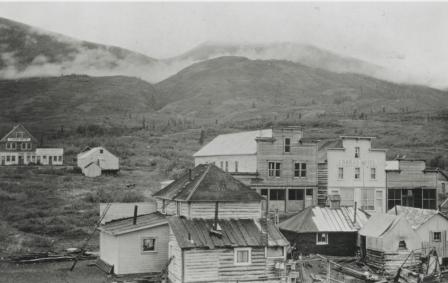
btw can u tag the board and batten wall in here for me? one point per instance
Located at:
(226, 210)
(132, 259)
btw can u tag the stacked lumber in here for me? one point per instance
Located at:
(389, 262)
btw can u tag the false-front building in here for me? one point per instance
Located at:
(356, 172)
(410, 184)
(277, 163)
(19, 147)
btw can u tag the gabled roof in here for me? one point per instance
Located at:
(415, 216)
(325, 219)
(196, 233)
(21, 128)
(208, 183)
(379, 224)
(125, 225)
(88, 151)
(241, 143)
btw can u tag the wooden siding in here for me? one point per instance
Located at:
(175, 267)
(108, 249)
(201, 265)
(170, 207)
(411, 175)
(133, 260)
(339, 244)
(226, 210)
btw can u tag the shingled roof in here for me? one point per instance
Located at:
(325, 219)
(208, 183)
(196, 233)
(415, 216)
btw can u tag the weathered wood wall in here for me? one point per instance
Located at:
(389, 262)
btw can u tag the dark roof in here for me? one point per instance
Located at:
(196, 233)
(208, 183)
(325, 219)
(125, 225)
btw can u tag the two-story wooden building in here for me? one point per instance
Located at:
(410, 184)
(278, 163)
(20, 147)
(356, 172)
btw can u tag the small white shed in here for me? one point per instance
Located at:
(95, 160)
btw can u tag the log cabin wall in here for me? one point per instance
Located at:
(225, 210)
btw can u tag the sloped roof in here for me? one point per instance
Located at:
(323, 145)
(196, 233)
(89, 151)
(234, 144)
(18, 127)
(125, 225)
(208, 183)
(325, 219)
(41, 150)
(379, 224)
(415, 216)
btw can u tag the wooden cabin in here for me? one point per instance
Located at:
(95, 161)
(430, 225)
(324, 230)
(202, 190)
(137, 244)
(225, 250)
(387, 240)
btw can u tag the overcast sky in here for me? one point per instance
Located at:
(411, 37)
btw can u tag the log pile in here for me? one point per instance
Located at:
(389, 262)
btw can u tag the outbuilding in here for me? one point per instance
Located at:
(324, 230)
(387, 241)
(91, 160)
(136, 244)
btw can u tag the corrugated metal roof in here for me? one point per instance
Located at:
(196, 233)
(325, 219)
(125, 225)
(208, 183)
(234, 144)
(415, 216)
(379, 224)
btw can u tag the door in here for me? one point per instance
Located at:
(50, 160)
(379, 201)
(20, 159)
(3, 160)
(363, 246)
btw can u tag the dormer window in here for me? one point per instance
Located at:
(287, 145)
(357, 152)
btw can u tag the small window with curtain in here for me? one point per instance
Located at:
(148, 244)
(436, 236)
(242, 256)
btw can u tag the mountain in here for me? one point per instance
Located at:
(75, 99)
(300, 53)
(233, 87)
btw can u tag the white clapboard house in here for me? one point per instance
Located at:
(97, 160)
(20, 147)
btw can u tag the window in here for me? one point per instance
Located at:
(274, 169)
(436, 236)
(322, 239)
(393, 198)
(221, 164)
(33, 158)
(275, 252)
(357, 152)
(8, 145)
(148, 245)
(55, 158)
(429, 198)
(295, 194)
(309, 192)
(23, 145)
(299, 170)
(242, 256)
(44, 157)
(340, 173)
(287, 145)
(28, 145)
(277, 195)
(8, 158)
(13, 145)
(367, 199)
(236, 166)
(19, 135)
(227, 166)
(13, 158)
(373, 173)
(402, 245)
(264, 192)
(59, 158)
(28, 158)
(357, 172)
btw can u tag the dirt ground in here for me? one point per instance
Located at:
(58, 272)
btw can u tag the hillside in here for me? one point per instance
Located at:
(74, 100)
(27, 51)
(236, 87)
(295, 52)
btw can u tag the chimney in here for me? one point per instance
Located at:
(135, 215)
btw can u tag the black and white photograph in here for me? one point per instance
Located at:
(223, 142)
